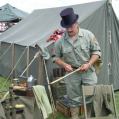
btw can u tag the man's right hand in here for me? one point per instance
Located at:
(68, 68)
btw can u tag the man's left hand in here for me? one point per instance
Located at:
(85, 67)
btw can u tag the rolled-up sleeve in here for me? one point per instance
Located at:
(57, 51)
(94, 45)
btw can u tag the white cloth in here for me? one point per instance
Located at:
(42, 100)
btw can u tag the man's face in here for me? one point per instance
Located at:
(72, 30)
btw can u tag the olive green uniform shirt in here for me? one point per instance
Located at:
(77, 53)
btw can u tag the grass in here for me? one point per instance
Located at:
(57, 115)
(5, 82)
(4, 86)
(60, 116)
(117, 102)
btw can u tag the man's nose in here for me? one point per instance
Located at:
(69, 29)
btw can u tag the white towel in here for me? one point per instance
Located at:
(42, 100)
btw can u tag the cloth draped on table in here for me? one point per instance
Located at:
(42, 100)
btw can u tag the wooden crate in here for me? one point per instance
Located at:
(63, 109)
(66, 111)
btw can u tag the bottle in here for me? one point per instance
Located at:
(30, 82)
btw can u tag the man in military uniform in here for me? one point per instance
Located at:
(77, 48)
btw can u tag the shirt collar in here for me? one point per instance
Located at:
(80, 34)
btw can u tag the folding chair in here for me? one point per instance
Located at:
(106, 91)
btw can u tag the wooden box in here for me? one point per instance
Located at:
(66, 110)
(63, 109)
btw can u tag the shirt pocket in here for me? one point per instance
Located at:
(85, 52)
(68, 54)
(85, 48)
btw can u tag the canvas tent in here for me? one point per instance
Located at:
(10, 15)
(98, 17)
(17, 44)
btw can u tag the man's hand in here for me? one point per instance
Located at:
(68, 68)
(85, 67)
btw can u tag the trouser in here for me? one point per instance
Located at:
(75, 81)
(74, 85)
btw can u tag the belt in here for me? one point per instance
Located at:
(74, 67)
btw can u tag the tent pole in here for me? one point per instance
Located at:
(13, 59)
(27, 72)
(49, 88)
(40, 72)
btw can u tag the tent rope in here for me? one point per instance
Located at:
(36, 55)
(14, 67)
(5, 52)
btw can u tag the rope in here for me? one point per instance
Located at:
(36, 55)
(5, 52)
(14, 68)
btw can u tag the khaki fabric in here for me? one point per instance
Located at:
(42, 100)
(102, 101)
